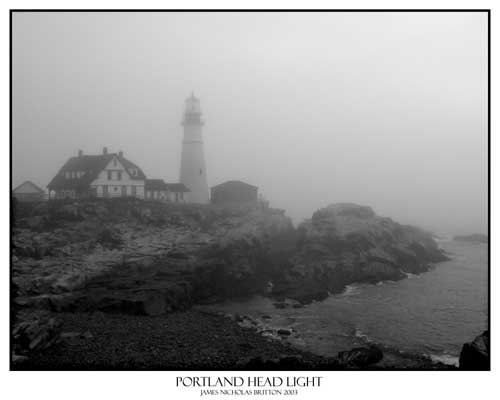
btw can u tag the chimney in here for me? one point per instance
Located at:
(105, 150)
(80, 153)
(120, 153)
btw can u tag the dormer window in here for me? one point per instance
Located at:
(67, 174)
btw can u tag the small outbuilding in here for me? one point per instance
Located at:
(234, 192)
(28, 191)
(157, 189)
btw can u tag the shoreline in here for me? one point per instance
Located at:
(393, 358)
(188, 340)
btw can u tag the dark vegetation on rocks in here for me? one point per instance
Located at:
(134, 258)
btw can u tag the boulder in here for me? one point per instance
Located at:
(476, 354)
(36, 334)
(360, 357)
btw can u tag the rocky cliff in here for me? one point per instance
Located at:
(132, 256)
(346, 243)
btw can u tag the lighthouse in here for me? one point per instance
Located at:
(193, 171)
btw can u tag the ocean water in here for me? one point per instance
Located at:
(431, 314)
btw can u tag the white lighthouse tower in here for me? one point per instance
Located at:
(193, 172)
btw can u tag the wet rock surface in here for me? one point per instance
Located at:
(360, 357)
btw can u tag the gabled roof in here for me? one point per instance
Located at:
(159, 184)
(91, 165)
(29, 187)
(234, 183)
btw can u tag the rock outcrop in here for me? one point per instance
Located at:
(347, 243)
(128, 255)
(476, 354)
(139, 257)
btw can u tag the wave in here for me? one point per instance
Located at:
(380, 283)
(358, 333)
(350, 290)
(445, 358)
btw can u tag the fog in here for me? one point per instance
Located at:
(382, 109)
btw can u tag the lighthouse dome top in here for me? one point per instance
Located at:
(192, 105)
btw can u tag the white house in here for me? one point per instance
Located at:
(104, 175)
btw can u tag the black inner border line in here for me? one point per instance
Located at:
(184, 10)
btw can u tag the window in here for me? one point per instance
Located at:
(67, 174)
(119, 173)
(110, 175)
(182, 196)
(201, 171)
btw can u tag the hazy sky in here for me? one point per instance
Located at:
(381, 109)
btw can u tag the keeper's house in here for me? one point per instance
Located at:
(103, 175)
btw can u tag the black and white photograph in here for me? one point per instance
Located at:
(233, 190)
